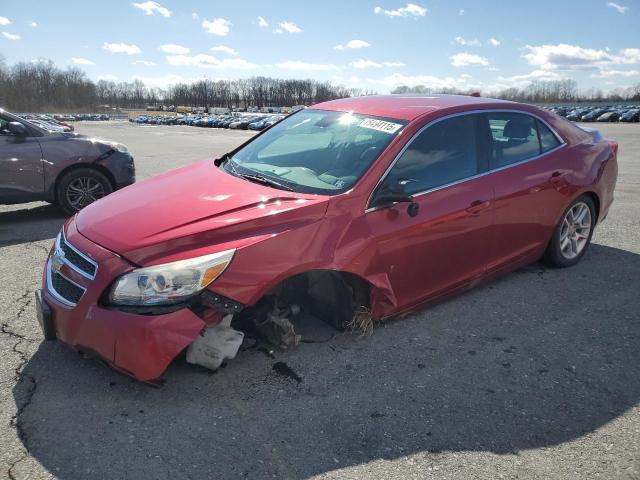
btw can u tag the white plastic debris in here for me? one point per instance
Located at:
(215, 344)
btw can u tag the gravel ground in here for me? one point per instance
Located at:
(536, 375)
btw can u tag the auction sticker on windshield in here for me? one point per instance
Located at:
(380, 125)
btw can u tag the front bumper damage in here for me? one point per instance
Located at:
(141, 344)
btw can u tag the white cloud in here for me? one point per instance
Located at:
(33, 24)
(195, 16)
(208, 61)
(468, 59)
(146, 63)
(617, 7)
(127, 48)
(217, 26)
(461, 12)
(355, 44)
(108, 77)
(4, 21)
(471, 43)
(429, 81)
(11, 36)
(288, 27)
(174, 49)
(262, 23)
(81, 61)
(616, 73)
(151, 8)
(563, 56)
(361, 63)
(629, 55)
(572, 57)
(494, 41)
(410, 10)
(225, 49)
(521, 81)
(298, 65)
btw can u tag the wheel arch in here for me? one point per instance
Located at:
(332, 295)
(596, 202)
(76, 166)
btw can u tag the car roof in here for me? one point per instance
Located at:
(405, 107)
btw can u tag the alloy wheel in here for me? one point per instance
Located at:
(84, 190)
(575, 231)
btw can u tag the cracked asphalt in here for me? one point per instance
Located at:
(535, 375)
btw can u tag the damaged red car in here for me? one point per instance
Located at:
(373, 204)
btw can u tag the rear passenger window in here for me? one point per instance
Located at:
(441, 154)
(515, 138)
(548, 141)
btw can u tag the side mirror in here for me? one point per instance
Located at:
(18, 129)
(395, 193)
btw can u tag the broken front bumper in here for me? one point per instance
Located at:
(139, 345)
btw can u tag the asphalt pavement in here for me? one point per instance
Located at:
(535, 375)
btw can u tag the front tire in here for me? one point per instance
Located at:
(80, 187)
(572, 235)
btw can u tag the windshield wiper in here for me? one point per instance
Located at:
(255, 178)
(264, 180)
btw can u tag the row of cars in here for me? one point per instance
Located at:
(614, 113)
(48, 122)
(240, 122)
(61, 122)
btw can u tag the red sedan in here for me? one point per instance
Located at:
(372, 204)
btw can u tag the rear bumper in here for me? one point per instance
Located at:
(139, 345)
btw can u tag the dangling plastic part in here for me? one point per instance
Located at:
(215, 344)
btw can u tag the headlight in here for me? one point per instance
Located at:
(170, 282)
(119, 147)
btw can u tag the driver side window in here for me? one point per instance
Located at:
(4, 127)
(443, 153)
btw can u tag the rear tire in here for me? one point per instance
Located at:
(81, 187)
(572, 235)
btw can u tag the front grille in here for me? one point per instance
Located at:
(77, 260)
(63, 289)
(66, 288)
(74, 258)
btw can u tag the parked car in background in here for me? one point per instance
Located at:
(632, 115)
(369, 205)
(70, 170)
(608, 117)
(593, 115)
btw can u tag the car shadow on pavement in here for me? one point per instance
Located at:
(532, 360)
(27, 225)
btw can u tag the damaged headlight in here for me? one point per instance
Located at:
(170, 282)
(120, 147)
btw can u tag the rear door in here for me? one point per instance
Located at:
(526, 175)
(21, 173)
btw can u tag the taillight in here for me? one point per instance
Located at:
(614, 146)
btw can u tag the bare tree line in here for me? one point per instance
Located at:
(41, 86)
(555, 91)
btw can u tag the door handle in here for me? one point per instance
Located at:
(556, 177)
(477, 206)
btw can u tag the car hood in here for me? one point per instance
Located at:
(193, 210)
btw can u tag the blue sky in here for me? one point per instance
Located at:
(371, 45)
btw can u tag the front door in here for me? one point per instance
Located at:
(446, 243)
